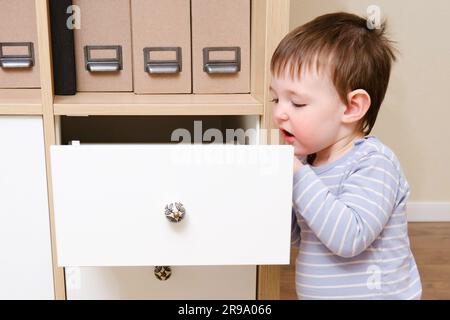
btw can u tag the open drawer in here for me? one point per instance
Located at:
(112, 202)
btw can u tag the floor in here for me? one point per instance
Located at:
(430, 243)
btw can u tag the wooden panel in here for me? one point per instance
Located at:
(43, 23)
(179, 104)
(20, 101)
(161, 23)
(18, 24)
(268, 282)
(277, 26)
(271, 20)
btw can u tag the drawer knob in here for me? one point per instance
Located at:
(163, 272)
(175, 212)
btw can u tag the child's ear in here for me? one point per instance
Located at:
(358, 102)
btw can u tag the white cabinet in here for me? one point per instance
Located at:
(25, 248)
(114, 117)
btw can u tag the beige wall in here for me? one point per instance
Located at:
(415, 117)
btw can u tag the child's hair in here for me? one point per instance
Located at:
(356, 57)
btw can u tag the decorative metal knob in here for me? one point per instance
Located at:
(163, 272)
(175, 212)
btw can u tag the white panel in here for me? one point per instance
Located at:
(211, 282)
(25, 249)
(428, 211)
(109, 204)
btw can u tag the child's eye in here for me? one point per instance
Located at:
(274, 100)
(298, 105)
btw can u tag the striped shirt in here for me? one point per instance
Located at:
(349, 222)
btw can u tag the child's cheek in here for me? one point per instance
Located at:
(303, 131)
(309, 137)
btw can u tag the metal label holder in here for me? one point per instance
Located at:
(104, 64)
(17, 61)
(222, 66)
(162, 66)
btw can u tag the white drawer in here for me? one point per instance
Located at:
(110, 204)
(210, 282)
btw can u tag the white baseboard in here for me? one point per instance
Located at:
(428, 211)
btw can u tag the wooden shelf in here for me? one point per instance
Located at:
(128, 103)
(20, 102)
(269, 24)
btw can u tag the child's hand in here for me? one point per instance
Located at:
(297, 164)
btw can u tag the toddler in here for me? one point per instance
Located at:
(329, 78)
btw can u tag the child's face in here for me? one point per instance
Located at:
(308, 111)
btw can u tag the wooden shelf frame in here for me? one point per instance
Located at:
(46, 76)
(269, 23)
(20, 102)
(128, 103)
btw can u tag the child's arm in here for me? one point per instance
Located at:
(295, 231)
(348, 223)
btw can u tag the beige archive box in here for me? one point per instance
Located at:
(221, 46)
(161, 46)
(103, 46)
(19, 63)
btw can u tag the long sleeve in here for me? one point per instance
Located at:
(295, 231)
(349, 222)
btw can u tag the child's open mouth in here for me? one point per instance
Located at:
(287, 136)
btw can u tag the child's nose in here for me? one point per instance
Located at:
(280, 114)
